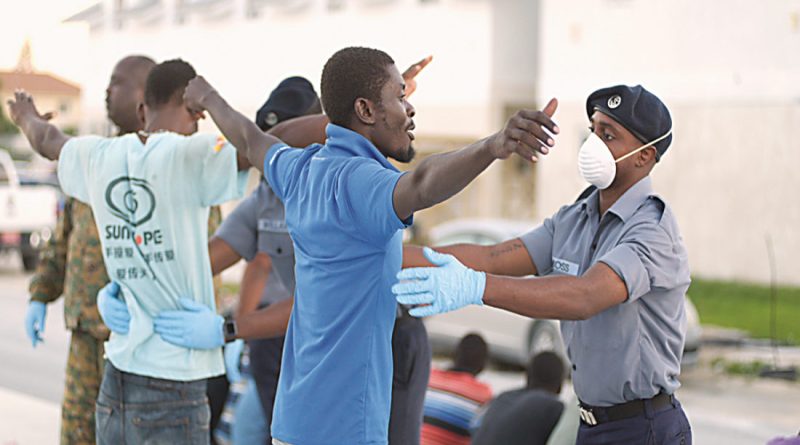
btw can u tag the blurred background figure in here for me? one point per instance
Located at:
(455, 396)
(528, 415)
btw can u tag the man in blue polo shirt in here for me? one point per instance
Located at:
(345, 206)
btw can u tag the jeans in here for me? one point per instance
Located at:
(133, 409)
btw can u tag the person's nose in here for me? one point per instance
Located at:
(410, 110)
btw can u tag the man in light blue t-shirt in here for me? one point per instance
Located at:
(345, 208)
(150, 194)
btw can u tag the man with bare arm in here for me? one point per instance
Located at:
(345, 208)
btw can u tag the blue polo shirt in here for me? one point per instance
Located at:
(336, 374)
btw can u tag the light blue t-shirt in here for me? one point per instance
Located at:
(336, 373)
(151, 203)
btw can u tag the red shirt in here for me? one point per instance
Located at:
(452, 400)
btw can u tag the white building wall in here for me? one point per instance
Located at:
(728, 70)
(246, 57)
(730, 73)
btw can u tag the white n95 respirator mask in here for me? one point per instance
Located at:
(596, 163)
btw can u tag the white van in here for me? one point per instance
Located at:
(28, 213)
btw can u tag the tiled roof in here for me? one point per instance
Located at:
(37, 83)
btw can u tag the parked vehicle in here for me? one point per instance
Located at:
(28, 212)
(512, 338)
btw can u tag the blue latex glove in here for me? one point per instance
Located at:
(194, 327)
(113, 310)
(233, 354)
(34, 321)
(444, 288)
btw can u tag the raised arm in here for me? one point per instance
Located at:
(44, 137)
(302, 131)
(240, 131)
(441, 176)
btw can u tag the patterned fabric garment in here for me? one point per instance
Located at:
(451, 403)
(84, 372)
(72, 264)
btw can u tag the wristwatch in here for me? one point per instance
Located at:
(229, 329)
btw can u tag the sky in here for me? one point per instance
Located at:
(40, 21)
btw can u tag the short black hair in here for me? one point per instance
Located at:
(471, 354)
(351, 73)
(546, 370)
(167, 81)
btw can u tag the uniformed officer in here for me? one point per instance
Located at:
(613, 267)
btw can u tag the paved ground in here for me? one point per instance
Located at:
(722, 410)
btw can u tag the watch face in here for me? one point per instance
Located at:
(230, 327)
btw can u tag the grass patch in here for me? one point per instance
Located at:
(747, 307)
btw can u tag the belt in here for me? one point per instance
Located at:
(593, 415)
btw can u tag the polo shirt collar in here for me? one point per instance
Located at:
(626, 205)
(349, 143)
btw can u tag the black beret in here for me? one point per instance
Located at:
(636, 109)
(293, 97)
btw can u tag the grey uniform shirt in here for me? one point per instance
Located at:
(258, 224)
(631, 350)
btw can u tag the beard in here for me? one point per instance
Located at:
(405, 156)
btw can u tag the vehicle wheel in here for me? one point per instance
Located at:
(546, 336)
(30, 255)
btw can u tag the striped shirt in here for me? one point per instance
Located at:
(451, 403)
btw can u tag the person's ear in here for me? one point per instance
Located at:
(365, 111)
(140, 113)
(646, 156)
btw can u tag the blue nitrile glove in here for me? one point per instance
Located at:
(233, 355)
(445, 288)
(34, 321)
(113, 310)
(194, 327)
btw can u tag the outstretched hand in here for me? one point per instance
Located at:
(446, 287)
(22, 107)
(409, 75)
(525, 135)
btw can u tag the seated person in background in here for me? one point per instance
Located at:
(526, 415)
(455, 396)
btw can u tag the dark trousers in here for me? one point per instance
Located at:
(217, 393)
(412, 367)
(667, 426)
(265, 366)
(134, 409)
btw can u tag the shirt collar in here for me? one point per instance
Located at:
(632, 199)
(627, 204)
(350, 143)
